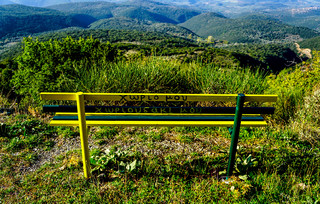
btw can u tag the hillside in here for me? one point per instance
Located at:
(98, 10)
(120, 23)
(226, 6)
(249, 29)
(142, 10)
(23, 20)
(274, 56)
(312, 43)
(115, 36)
(232, 8)
(177, 13)
(307, 17)
(144, 15)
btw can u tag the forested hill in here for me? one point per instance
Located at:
(312, 43)
(307, 17)
(142, 10)
(118, 36)
(121, 23)
(251, 29)
(23, 20)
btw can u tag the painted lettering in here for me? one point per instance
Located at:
(183, 110)
(163, 110)
(109, 110)
(123, 97)
(184, 98)
(145, 109)
(138, 110)
(134, 98)
(169, 98)
(98, 110)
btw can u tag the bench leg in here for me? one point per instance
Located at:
(235, 134)
(83, 135)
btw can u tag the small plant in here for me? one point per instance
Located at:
(29, 134)
(117, 160)
(105, 133)
(242, 166)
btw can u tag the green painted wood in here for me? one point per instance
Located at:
(160, 118)
(235, 134)
(146, 109)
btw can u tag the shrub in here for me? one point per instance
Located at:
(292, 85)
(307, 121)
(52, 65)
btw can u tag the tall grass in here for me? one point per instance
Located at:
(157, 75)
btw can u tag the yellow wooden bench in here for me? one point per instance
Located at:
(182, 115)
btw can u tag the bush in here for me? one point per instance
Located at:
(292, 85)
(308, 118)
(52, 65)
(7, 67)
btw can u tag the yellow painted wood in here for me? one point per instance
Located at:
(58, 96)
(159, 123)
(157, 97)
(260, 98)
(151, 114)
(83, 134)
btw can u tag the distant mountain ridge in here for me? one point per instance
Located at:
(142, 10)
(147, 15)
(224, 6)
(307, 16)
(123, 23)
(20, 20)
(24, 20)
(252, 29)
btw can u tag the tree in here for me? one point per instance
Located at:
(210, 39)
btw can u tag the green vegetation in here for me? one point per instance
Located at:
(121, 23)
(312, 43)
(132, 38)
(38, 163)
(23, 20)
(274, 56)
(306, 17)
(249, 29)
(141, 10)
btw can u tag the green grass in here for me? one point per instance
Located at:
(168, 165)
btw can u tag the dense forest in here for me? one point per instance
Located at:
(246, 29)
(146, 16)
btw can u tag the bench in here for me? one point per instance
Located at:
(175, 115)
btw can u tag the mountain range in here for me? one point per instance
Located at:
(146, 15)
(251, 28)
(226, 6)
